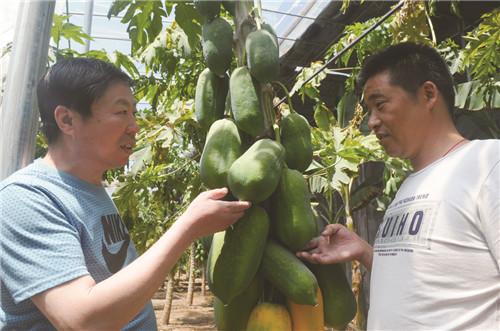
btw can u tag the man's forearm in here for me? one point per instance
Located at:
(125, 293)
(109, 305)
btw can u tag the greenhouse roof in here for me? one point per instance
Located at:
(289, 19)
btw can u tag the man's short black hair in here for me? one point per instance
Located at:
(409, 66)
(75, 83)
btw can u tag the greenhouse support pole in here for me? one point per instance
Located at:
(18, 113)
(87, 21)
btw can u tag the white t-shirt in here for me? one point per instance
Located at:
(437, 254)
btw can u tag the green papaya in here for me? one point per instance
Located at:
(293, 219)
(241, 254)
(289, 274)
(234, 316)
(217, 45)
(210, 98)
(270, 29)
(262, 56)
(208, 9)
(255, 174)
(245, 103)
(222, 148)
(295, 135)
(339, 303)
(213, 255)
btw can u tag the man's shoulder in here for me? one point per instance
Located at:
(32, 180)
(486, 144)
(485, 151)
(24, 176)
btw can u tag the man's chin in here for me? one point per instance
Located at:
(119, 164)
(391, 151)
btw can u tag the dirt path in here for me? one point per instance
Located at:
(198, 316)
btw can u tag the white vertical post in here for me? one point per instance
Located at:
(18, 111)
(87, 21)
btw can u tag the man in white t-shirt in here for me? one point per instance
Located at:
(435, 264)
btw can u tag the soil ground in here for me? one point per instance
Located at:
(199, 316)
(184, 317)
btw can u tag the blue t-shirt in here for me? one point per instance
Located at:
(55, 228)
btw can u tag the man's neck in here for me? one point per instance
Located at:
(67, 160)
(436, 145)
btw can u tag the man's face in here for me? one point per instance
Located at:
(107, 137)
(395, 116)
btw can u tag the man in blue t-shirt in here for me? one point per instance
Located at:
(67, 258)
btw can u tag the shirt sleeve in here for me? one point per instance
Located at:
(489, 211)
(40, 247)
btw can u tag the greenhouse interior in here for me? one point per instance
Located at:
(250, 165)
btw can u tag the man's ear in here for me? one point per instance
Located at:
(65, 119)
(430, 93)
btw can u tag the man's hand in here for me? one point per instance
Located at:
(208, 214)
(337, 244)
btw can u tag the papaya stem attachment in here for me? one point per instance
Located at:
(258, 16)
(287, 94)
(266, 102)
(277, 135)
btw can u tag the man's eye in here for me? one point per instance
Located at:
(380, 105)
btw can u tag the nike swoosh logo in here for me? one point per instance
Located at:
(115, 261)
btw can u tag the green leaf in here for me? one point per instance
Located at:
(140, 158)
(122, 60)
(339, 179)
(117, 7)
(317, 184)
(475, 95)
(187, 18)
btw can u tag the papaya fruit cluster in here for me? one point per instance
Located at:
(260, 158)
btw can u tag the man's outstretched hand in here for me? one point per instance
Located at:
(337, 244)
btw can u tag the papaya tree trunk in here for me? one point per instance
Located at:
(192, 266)
(203, 279)
(178, 274)
(359, 319)
(243, 26)
(357, 288)
(169, 295)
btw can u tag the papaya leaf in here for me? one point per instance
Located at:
(139, 159)
(317, 184)
(117, 7)
(187, 17)
(122, 60)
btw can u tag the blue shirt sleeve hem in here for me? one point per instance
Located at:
(48, 283)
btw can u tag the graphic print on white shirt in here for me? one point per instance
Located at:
(406, 226)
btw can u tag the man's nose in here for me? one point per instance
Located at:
(133, 127)
(373, 121)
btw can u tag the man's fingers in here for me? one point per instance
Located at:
(218, 193)
(315, 257)
(304, 256)
(331, 229)
(313, 243)
(235, 206)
